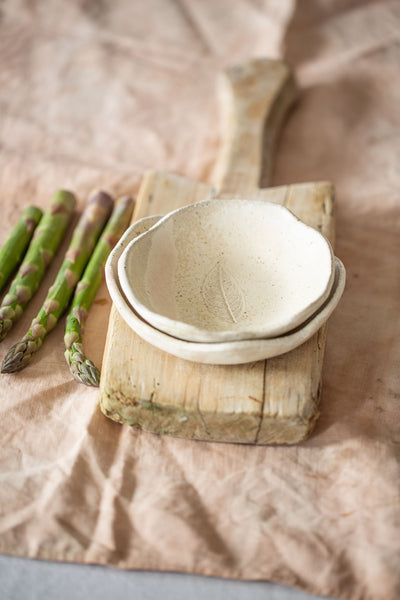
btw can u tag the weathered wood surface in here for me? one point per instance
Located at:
(266, 402)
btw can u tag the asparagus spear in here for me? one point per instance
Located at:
(41, 250)
(13, 249)
(83, 241)
(81, 367)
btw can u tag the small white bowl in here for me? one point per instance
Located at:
(227, 269)
(223, 353)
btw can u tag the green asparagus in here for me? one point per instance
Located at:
(81, 367)
(44, 244)
(13, 249)
(83, 241)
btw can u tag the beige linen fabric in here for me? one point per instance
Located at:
(93, 93)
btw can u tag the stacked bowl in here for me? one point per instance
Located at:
(225, 281)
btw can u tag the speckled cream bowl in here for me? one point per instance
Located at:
(223, 353)
(226, 270)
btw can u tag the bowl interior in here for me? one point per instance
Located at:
(227, 269)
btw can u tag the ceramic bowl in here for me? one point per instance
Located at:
(224, 270)
(224, 353)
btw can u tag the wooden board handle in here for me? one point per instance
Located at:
(254, 98)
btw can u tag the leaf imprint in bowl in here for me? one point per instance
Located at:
(222, 294)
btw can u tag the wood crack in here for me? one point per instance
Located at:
(264, 390)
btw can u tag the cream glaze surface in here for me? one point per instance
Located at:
(227, 269)
(226, 352)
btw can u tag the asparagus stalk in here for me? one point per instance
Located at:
(81, 367)
(83, 241)
(13, 249)
(44, 244)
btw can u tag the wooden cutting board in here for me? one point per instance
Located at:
(266, 402)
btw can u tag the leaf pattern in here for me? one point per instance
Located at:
(222, 294)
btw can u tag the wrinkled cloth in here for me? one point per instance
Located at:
(94, 93)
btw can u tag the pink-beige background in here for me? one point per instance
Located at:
(93, 93)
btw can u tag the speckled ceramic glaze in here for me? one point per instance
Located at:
(225, 352)
(224, 270)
